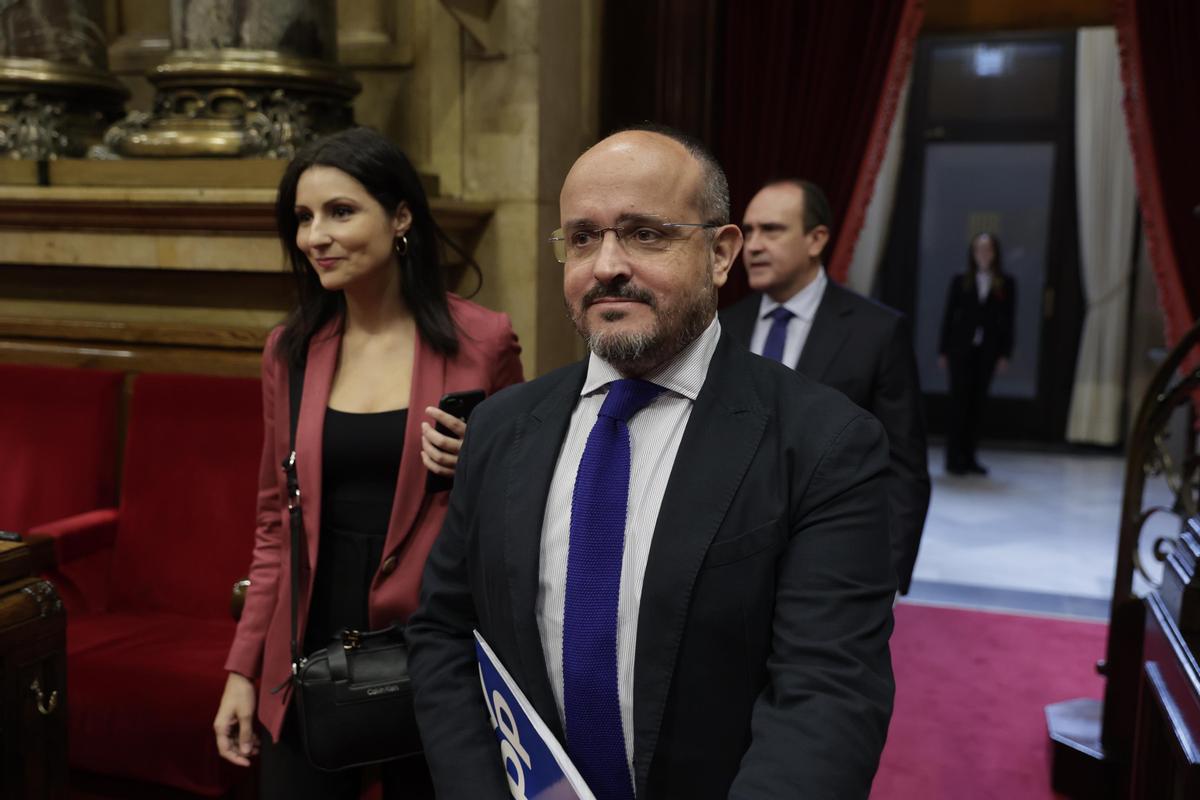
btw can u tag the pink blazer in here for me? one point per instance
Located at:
(487, 359)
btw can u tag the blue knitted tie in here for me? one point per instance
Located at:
(595, 738)
(777, 335)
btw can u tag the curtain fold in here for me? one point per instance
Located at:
(1160, 65)
(810, 90)
(1106, 207)
(872, 238)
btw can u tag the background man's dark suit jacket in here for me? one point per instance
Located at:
(762, 664)
(864, 350)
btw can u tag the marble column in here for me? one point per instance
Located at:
(56, 94)
(244, 78)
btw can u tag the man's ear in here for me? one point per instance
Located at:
(402, 220)
(726, 245)
(818, 237)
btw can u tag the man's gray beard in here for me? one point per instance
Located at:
(637, 353)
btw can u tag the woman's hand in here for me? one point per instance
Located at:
(438, 450)
(1002, 365)
(237, 712)
(942, 363)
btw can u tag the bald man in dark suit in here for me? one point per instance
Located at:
(704, 615)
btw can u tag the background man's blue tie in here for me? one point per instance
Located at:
(595, 738)
(777, 335)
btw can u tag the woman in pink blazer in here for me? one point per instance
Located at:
(381, 341)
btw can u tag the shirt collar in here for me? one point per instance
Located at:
(684, 374)
(803, 303)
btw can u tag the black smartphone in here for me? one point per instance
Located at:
(456, 404)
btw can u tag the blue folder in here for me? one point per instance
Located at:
(536, 763)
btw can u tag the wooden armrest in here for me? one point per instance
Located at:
(78, 536)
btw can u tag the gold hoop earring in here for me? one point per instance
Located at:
(402, 246)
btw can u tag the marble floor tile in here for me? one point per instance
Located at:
(1043, 523)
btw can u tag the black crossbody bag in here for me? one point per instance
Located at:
(354, 699)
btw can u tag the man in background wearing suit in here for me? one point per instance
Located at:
(796, 315)
(677, 549)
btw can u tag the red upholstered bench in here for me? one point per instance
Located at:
(58, 454)
(58, 442)
(144, 668)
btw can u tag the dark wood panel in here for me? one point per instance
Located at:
(135, 215)
(1166, 755)
(167, 287)
(131, 358)
(238, 338)
(460, 219)
(33, 749)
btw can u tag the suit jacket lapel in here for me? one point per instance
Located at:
(540, 435)
(828, 333)
(722, 435)
(428, 385)
(310, 430)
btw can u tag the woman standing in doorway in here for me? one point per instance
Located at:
(976, 341)
(379, 340)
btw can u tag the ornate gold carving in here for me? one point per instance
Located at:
(236, 103)
(45, 596)
(50, 109)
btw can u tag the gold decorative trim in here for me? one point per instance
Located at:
(254, 67)
(37, 74)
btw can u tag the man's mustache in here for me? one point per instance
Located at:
(617, 291)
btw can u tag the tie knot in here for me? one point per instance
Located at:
(780, 314)
(628, 396)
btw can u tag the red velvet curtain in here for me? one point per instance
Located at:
(809, 90)
(1160, 62)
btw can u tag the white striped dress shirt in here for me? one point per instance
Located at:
(654, 436)
(803, 305)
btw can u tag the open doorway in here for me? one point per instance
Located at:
(991, 148)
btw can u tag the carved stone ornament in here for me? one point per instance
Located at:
(47, 599)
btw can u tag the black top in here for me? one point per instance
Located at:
(360, 463)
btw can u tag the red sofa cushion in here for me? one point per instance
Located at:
(58, 437)
(142, 689)
(186, 527)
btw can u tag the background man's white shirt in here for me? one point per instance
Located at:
(803, 304)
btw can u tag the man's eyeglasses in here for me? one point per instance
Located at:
(641, 238)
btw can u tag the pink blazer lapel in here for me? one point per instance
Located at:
(310, 429)
(428, 384)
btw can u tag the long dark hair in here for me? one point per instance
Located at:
(388, 176)
(998, 276)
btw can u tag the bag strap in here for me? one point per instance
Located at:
(296, 517)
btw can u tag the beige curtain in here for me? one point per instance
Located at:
(868, 250)
(1106, 200)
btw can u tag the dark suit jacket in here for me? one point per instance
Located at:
(864, 350)
(762, 665)
(964, 314)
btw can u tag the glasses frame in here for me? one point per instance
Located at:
(559, 236)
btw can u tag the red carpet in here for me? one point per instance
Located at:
(970, 691)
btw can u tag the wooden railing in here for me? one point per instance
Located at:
(1143, 740)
